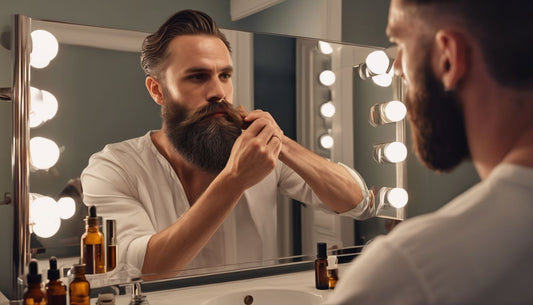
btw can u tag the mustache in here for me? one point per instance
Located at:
(231, 113)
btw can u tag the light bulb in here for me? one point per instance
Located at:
(49, 105)
(45, 47)
(327, 110)
(36, 107)
(325, 47)
(44, 153)
(47, 228)
(382, 80)
(66, 207)
(397, 197)
(394, 111)
(327, 77)
(377, 62)
(395, 152)
(326, 141)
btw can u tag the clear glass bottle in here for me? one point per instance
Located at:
(79, 289)
(34, 295)
(321, 263)
(92, 245)
(56, 291)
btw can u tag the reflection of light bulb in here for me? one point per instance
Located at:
(382, 80)
(327, 110)
(45, 47)
(66, 207)
(377, 62)
(44, 153)
(50, 105)
(394, 111)
(325, 47)
(47, 228)
(395, 152)
(326, 141)
(327, 77)
(43, 106)
(397, 197)
(44, 215)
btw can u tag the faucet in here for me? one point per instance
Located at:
(137, 298)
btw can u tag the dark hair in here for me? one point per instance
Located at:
(186, 22)
(503, 29)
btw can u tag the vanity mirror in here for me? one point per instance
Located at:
(101, 98)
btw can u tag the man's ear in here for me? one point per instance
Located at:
(452, 60)
(155, 89)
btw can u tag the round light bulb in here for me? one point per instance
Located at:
(36, 107)
(47, 228)
(327, 77)
(397, 197)
(49, 105)
(44, 152)
(41, 207)
(377, 62)
(395, 111)
(66, 207)
(382, 80)
(395, 152)
(327, 110)
(325, 47)
(45, 47)
(326, 141)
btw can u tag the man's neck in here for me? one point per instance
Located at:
(193, 180)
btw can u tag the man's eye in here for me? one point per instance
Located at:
(225, 76)
(196, 77)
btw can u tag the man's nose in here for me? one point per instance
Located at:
(216, 91)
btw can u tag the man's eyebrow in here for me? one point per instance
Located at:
(207, 70)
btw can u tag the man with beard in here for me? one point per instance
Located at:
(469, 96)
(201, 191)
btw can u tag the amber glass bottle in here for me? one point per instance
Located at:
(79, 289)
(34, 295)
(111, 244)
(56, 291)
(321, 264)
(92, 245)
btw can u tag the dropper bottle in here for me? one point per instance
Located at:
(92, 245)
(34, 295)
(321, 263)
(56, 291)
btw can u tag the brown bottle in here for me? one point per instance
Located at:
(79, 289)
(56, 291)
(92, 245)
(321, 264)
(111, 244)
(34, 295)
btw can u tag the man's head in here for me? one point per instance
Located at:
(436, 41)
(188, 66)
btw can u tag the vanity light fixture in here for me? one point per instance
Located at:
(326, 141)
(389, 112)
(325, 47)
(43, 107)
(44, 215)
(393, 152)
(378, 67)
(395, 197)
(327, 110)
(44, 153)
(66, 207)
(44, 48)
(327, 78)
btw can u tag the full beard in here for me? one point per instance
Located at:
(203, 140)
(437, 123)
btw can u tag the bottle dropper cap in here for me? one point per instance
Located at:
(33, 276)
(53, 272)
(92, 219)
(321, 251)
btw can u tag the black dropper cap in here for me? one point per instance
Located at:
(92, 219)
(321, 251)
(53, 272)
(33, 276)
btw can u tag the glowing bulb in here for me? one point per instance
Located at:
(49, 105)
(66, 207)
(397, 197)
(327, 110)
(326, 141)
(395, 152)
(327, 77)
(382, 80)
(44, 153)
(43, 106)
(394, 111)
(377, 62)
(45, 47)
(325, 48)
(47, 228)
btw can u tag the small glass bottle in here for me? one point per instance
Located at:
(79, 289)
(56, 291)
(111, 244)
(92, 245)
(333, 271)
(34, 295)
(321, 263)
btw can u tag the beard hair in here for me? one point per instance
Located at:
(437, 123)
(203, 141)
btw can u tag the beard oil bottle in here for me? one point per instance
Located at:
(321, 264)
(34, 295)
(79, 289)
(111, 244)
(92, 245)
(56, 291)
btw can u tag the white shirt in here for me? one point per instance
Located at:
(478, 249)
(133, 183)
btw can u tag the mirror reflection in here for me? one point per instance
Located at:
(102, 99)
